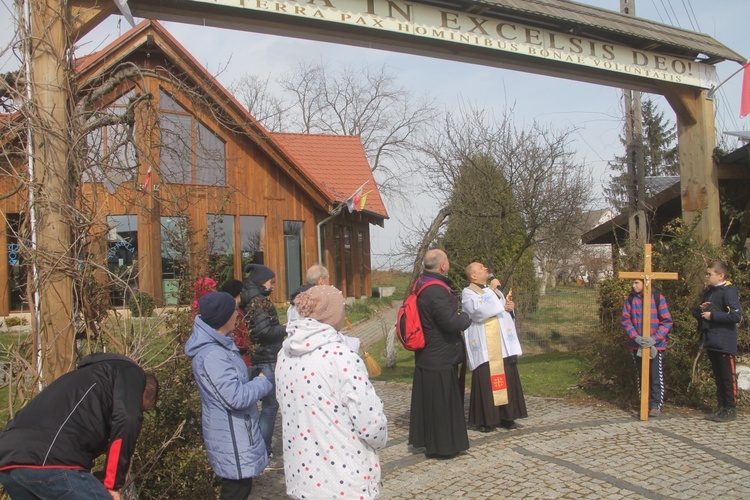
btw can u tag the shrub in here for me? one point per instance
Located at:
(12, 321)
(181, 468)
(141, 304)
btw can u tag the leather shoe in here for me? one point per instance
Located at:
(509, 424)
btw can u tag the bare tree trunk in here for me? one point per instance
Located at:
(543, 284)
(390, 348)
(427, 239)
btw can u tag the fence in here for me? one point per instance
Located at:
(565, 319)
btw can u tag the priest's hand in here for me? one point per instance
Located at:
(509, 305)
(494, 284)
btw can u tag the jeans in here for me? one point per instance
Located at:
(269, 406)
(72, 484)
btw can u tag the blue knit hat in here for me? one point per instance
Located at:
(259, 273)
(216, 308)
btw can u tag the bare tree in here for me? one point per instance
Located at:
(542, 190)
(255, 94)
(366, 102)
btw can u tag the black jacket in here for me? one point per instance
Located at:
(442, 325)
(262, 320)
(720, 333)
(95, 409)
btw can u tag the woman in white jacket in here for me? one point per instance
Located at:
(332, 420)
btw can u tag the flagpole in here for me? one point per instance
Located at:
(712, 91)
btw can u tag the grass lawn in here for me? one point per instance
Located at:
(564, 319)
(546, 375)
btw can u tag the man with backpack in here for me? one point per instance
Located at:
(437, 409)
(654, 346)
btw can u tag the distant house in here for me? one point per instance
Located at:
(206, 187)
(664, 202)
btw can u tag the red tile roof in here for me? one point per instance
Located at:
(338, 162)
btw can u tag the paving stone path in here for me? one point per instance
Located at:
(566, 449)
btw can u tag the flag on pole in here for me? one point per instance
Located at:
(146, 181)
(353, 202)
(363, 200)
(745, 102)
(125, 11)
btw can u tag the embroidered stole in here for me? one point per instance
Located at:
(495, 350)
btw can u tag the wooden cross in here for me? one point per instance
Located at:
(647, 275)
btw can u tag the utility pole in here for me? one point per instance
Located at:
(634, 155)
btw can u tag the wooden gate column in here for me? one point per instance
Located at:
(699, 181)
(50, 77)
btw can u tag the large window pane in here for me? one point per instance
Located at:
(176, 155)
(221, 246)
(210, 162)
(293, 254)
(122, 256)
(112, 155)
(190, 152)
(175, 246)
(251, 239)
(16, 269)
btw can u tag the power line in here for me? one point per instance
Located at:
(694, 16)
(676, 19)
(658, 13)
(688, 15)
(669, 18)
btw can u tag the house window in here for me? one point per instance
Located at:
(175, 247)
(293, 254)
(190, 152)
(348, 265)
(112, 155)
(251, 239)
(221, 246)
(361, 247)
(336, 264)
(122, 256)
(16, 268)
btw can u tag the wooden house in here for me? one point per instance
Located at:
(200, 185)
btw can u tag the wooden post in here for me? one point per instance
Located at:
(646, 275)
(699, 180)
(50, 80)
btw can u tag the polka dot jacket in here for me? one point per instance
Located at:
(332, 420)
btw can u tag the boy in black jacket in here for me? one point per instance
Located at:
(718, 315)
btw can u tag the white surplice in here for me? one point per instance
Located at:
(481, 307)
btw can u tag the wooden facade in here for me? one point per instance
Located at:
(247, 199)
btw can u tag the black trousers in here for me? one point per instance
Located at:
(655, 378)
(236, 489)
(723, 367)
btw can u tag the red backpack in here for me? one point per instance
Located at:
(408, 324)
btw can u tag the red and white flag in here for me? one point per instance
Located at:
(353, 202)
(146, 181)
(745, 102)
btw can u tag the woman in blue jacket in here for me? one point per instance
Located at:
(229, 398)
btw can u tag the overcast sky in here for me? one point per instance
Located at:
(594, 111)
